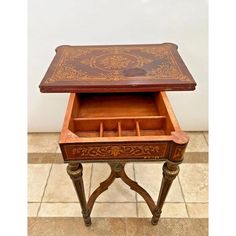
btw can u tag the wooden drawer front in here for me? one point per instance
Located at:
(111, 151)
(121, 126)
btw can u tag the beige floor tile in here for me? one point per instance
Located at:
(37, 178)
(198, 210)
(114, 210)
(197, 142)
(194, 182)
(106, 226)
(33, 209)
(149, 176)
(195, 157)
(42, 142)
(60, 187)
(60, 210)
(58, 150)
(177, 227)
(74, 226)
(170, 210)
(118, 191)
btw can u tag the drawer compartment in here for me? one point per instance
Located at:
(106, 115)
(119, 119)
(118, 126)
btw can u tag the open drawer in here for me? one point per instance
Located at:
(123, 126)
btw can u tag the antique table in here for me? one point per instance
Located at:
(118, 112)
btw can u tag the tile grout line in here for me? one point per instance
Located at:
(182, 192)
(167, 202)
(203, 132)
(55, 149)
(58, 147)
(125, 202)
(136, 196)
(90, 181)
(78, 202)
(44, 190)
(126, 226)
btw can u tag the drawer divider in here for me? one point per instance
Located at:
(118, 118)
(101, 129)
(119, 128)
(137, 128)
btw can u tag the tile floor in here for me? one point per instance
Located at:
(51, 193)
(74, 226)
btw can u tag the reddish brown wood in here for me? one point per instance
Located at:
(170, 171)
(118, 171)
(134, 123)
(117, 128)
(136, 187)
(75, 171)
(117, 68)
(102, 187)
(137, 126)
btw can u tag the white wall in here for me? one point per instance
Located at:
(77, 22)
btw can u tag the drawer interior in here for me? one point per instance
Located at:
(120, 115)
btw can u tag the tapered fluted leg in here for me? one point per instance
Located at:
(75, 171)
(170, 171)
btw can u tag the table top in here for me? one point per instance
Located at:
(117, 68)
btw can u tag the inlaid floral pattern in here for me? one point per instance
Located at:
(115, 62)
(109, 63)
(112, 150)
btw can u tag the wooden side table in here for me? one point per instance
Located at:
(118, 112)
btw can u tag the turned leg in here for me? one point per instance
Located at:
(170, 171)
(75, 171)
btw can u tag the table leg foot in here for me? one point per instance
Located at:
(170, 171)
(87, 218)
(75, 171)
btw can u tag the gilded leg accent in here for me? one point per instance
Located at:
(75, 171)
(170, 171)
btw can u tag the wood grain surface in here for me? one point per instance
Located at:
(117, 68)
(121, 126)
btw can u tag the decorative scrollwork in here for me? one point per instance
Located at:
(108, 63)
(112, 150)
(118, 171)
